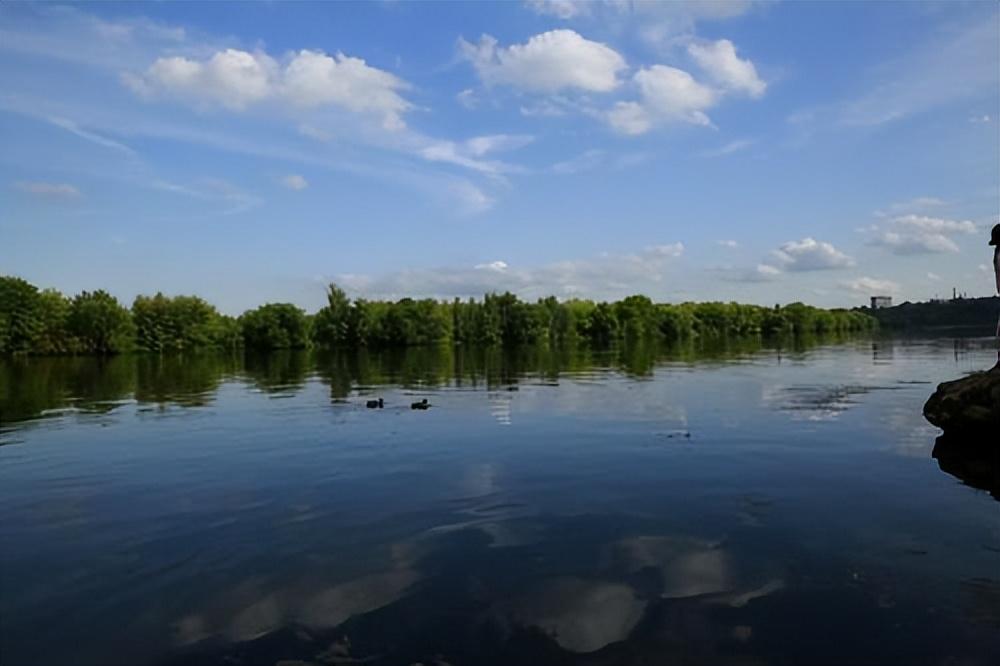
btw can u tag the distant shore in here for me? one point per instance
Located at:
(45, 322)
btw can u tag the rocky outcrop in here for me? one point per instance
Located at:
(968, 408)
(975, 463)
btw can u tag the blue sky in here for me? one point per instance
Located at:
(760, 152)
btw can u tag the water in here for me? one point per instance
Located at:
(735, 505)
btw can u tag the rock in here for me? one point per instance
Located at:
(968, 407)
(976, 462)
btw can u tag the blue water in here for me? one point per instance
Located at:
(750, 505)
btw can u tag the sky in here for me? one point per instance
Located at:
(762, 152)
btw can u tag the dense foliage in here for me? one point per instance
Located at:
(978, 313)
(46, 322)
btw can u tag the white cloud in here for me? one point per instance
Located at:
(52, 190)
(933, 277)
(767, 270)
(550, 107)
(235, 199)
(467, 98)
(915, 243)
(491, 143)
(728, 243)
(497, 266)
(952, 65)
(471, 200)
(585, 161)
(729, 148)
(468, 153)
(809, 254)
(919, 234)
(980, 119)
(313, 79)
(606, 276)
(232, 78)
(548, 62)
(564, 9)
(719, 60)
(667, 94)
(868, 286)
(758, 273)
(93, 137)
(935, 224)
(661, 25)
(915, 204)
(238, 79)
(294, 181)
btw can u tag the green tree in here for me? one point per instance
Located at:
(332, 324)
(275, 326)
(99, 323)
(19, 316)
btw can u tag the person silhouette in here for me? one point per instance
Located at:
(995, 242)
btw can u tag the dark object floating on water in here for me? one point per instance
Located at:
(423, 404)
(968, 408)
(375, 404)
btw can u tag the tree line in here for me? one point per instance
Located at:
(34, 321)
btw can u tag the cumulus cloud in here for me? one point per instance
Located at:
(548, 63)
(919, 234)
(606, 276)
(871, 286)
(666, 94)
(237, 79)
(728, 243)
(810, 254)
(51, 190)
(719, 61)
(294, 181)
(671, 95)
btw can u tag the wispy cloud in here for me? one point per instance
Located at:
(93, 137)
(294, 181)
(585, 161)
(48, 190)
(958, 64)
(730, 148)
(605, 276)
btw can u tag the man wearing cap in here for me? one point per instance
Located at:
(995, 242)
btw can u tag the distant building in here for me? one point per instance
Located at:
(881, 302)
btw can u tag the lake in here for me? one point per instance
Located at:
(739, 503)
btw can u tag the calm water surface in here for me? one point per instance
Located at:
(748, 505)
